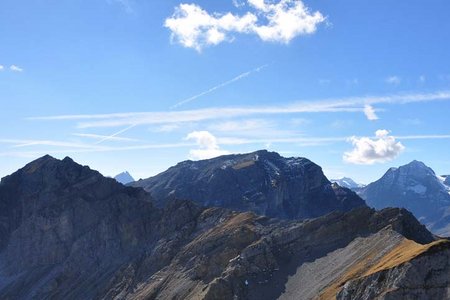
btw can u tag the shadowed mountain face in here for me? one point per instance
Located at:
(262, 182)
(417, 188)
(67, 232)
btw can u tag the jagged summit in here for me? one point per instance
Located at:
(124, 178)
(263, 182)
(48, 171)
(416, 187)
(347, 183)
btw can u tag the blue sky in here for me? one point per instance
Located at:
(356, 86)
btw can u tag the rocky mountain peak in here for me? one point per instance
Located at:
(49, 173)
(417, 166)
(124, 178)
(263, 182)
(416, 187)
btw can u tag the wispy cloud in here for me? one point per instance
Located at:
(424, 137)
(103, 137)
(166, 128)
(15, 68)
(2, 68)
(394, 80)
(21, 143)
(112, 136)
(353, 104)
(202, 141)
(251, 128)
(275, 21)
(221, 85)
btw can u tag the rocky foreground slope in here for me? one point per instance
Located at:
(262, 182)
(66, 232)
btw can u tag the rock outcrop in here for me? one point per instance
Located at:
(262, 182)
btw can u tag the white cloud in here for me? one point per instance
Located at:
(193, 27)
(15, 68)
(2, 67)
(353, 104)
(394, 80)
(368, 150)
(207, 144)
(70, 148)
(369, 111)
(238, 3)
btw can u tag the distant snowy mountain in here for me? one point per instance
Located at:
(124, 178)
(417, 188)
(347, 183)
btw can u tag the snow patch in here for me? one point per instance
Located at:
(418, 189)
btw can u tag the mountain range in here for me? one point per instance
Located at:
(67, 232)
(417, 188)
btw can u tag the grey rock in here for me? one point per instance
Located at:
(417, 188)
(262, 182)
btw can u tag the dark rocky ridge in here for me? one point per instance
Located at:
(69, 233)
(262, 182)
(417, 188)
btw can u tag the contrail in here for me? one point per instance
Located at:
(115, 134)
(237, 78)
